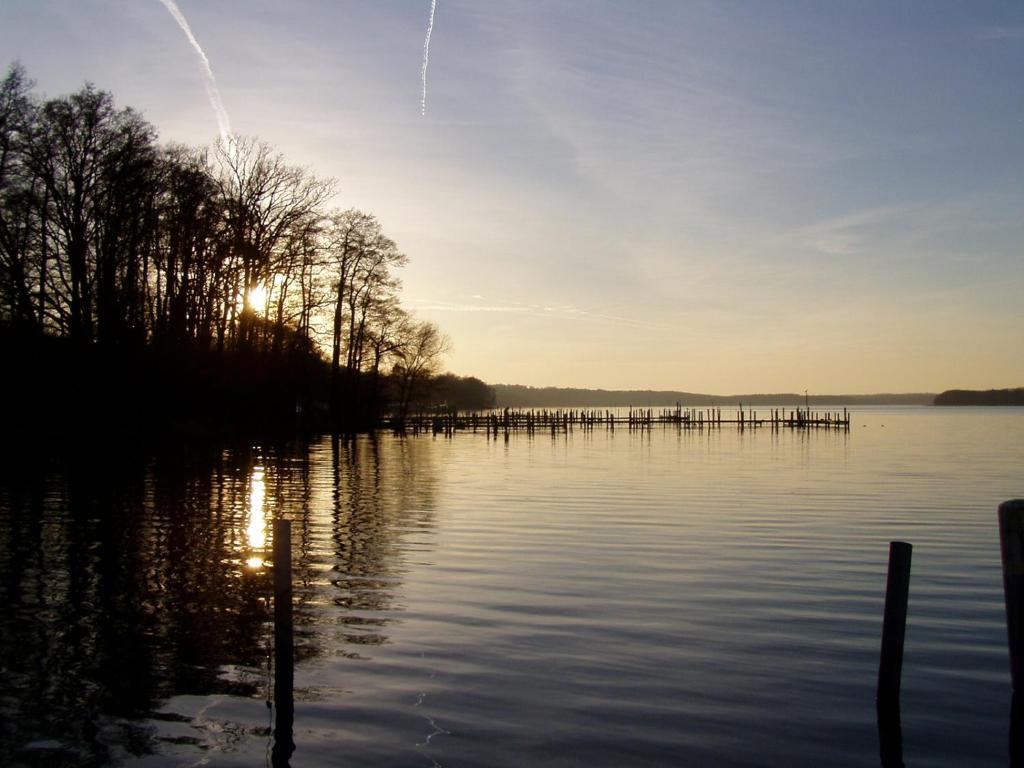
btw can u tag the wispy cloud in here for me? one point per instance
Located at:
(560, 311)
(848, 234)
(430, 305)
(1001, 33)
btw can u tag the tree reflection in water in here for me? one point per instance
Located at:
(128, 580)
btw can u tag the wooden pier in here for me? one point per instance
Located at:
(533, 421)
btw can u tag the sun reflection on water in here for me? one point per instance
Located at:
(256, 533)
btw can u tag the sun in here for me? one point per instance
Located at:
(258, 297)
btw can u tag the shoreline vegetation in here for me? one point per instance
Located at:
(981, 397)
(518, 396)
(165, 288)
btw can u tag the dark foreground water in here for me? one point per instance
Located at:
(597, 599)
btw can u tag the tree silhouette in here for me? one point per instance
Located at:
(215, 278)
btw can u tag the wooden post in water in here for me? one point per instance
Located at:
(284, 655)
(1016, 730)
(1011, 539)
(894, 623)
(890, 734)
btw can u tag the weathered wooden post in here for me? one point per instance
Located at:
(890, 667)
(890, 734)
(284, 656)
(1016, 730)
(1011, 539)
(894, 623)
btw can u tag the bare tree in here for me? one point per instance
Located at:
(361, 260)
(265, 201)
(189, 290)
(418, 354)
(19, 221)
(94, 165)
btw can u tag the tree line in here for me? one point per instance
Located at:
(1013, 396)
(519, 396)
(115, 245)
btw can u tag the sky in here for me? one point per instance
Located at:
(717, 197)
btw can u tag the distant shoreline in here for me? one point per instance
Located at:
(519, 396)
(993, 397)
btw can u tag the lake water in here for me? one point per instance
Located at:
(601, 598)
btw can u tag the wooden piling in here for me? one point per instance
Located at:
(1017, 730)
(894, 623)
(284, 642)
(1011, 539)
(448, 421)
(890, 734)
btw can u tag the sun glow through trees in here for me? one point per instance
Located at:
(258, 298)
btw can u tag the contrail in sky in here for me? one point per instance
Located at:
(223, 123)
(426, 56)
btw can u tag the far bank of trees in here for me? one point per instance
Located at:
(519, 396)
(114, 246)
(981, 397)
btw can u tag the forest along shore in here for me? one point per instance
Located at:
(148, 286)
